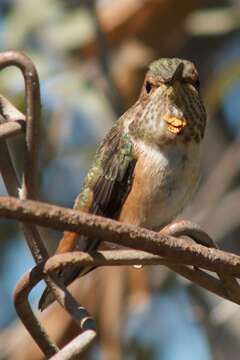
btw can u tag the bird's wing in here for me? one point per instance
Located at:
(109, 179)
(104, 191)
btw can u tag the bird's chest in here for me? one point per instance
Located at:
(169, 185)
(163, 184)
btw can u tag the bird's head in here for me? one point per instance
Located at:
(171, 103)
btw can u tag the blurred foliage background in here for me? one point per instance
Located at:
(91, 57)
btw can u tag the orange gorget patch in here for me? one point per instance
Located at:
(175, 125)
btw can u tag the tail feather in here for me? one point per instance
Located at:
(69, 274)
(47, 298)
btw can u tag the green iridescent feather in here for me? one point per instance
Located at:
(110, 177)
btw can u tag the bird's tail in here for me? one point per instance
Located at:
(70, 275)
(46, 299)
(70, 242)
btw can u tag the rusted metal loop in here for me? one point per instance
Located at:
(121, 257)
(76, 347)
(30, 321)
(25, 313)
(135, 257)
(190, 229)
(194, 231)
(33, 109)
(29, 183)
(176, 249)
(32, 116)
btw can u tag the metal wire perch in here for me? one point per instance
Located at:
(188, 257)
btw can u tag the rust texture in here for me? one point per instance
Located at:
(179, 250)
(188, 257)
(27, 188)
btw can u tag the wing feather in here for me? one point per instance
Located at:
(106, 188)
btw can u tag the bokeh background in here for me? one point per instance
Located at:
(91, 57)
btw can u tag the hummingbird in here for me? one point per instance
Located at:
(147, 168)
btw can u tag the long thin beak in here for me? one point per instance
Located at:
(177, 76)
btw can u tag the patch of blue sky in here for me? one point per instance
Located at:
(166, 324)
(3, 43)
(75, 124)
(228, 53)
(227, 56)
(17, 261)
(62, 180)
(231, 107)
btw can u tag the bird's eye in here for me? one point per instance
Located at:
(148, 86)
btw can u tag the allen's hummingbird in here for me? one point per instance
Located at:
(147, 167)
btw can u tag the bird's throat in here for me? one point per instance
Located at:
(174, 124)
